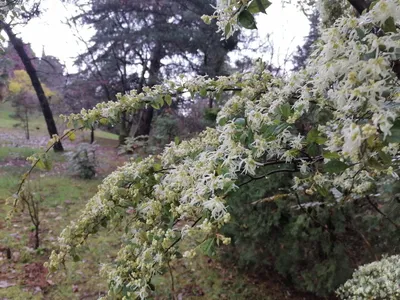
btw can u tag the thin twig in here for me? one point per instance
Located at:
(382, 213)
(27, 174)
(178, 239)
(265, 175)
(308, 214)
(172, 280)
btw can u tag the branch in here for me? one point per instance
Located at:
(380, 212)
(26, 175)
(178, 239)
(265, 175)
(360, 5)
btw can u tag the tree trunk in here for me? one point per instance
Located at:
(360, 5)
(30, 69)
(27, 124)
(144, 125)
(92, 135)
(147, 114)
(37, 239)
(124, 129)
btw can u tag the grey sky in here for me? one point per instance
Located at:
(287, 25)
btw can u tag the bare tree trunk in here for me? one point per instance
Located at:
(30, 69)
(37, 239)
(147, 114)
(92, 135)
(27, 124)
(125, 128)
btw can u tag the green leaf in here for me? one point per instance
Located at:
(374, 163)
(168, 99)
(40, 164)
(395, 132)
(72, 136)
(312, 135)
(285, 110)
(320, 140)
(386, 158)
(155, 105)
(208, 247)
(222, 121)
(240, 122)
(246, 20)
(257, 6)
(360, 33)
(389, 26)
(323, 191)
(228, 29)
(335, 166)
(157, 167)
(203, 93)
(76, 258)
(312, 149)
(177, 140)
(331, 155)
(280, 128)
(218, 96)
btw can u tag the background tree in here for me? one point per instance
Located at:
(137, 45)
(304, 52)
(22, 96)
(31, 70)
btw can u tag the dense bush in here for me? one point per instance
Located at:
(166, 128)
(377, 280)
(314, 246)
(82, 161)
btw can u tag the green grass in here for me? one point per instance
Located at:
(37, 126)
(105, 135)
(7, 153)
(8, 122)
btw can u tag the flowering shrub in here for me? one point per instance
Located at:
(333, 125)
(377, 280)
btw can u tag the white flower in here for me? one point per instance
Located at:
(216, 206)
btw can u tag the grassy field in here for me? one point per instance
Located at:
(38, 126)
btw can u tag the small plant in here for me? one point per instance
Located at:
(166, 127)
(132, 143)
(82, 161)
(377, 280)
(30, 201)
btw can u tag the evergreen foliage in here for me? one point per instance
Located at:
(82, 161)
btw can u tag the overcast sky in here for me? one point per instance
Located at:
(287, 26)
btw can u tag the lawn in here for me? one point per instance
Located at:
(38, 126)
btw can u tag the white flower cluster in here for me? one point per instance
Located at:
(334, 123)
(377, 280)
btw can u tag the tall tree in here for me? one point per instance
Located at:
(137, 44)
(31, 70)
(303, 53)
